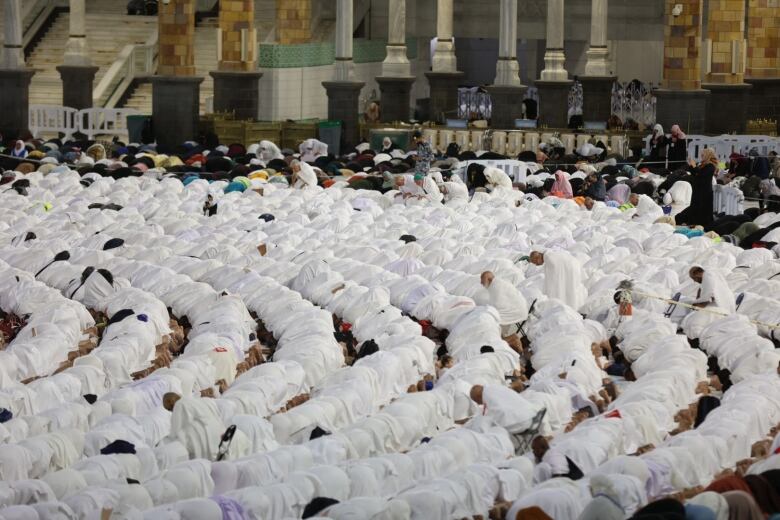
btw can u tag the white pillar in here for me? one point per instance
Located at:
(396, 63)
(444, 55)
(507, 68)
(345, 67)
(76, 52)
(554, 57)
(13, 53)
(598, 52)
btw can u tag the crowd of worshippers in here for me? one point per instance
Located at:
(143, 321)
(671, 187)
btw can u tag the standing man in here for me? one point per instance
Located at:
(424, 154)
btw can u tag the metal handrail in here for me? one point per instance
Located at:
(124, 70)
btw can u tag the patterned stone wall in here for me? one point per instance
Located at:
(726, 25)
(176, 38)
(235, 17)
(293, 21)
(682, 45)
(763, 53)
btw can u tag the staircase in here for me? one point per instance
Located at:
(109, 29)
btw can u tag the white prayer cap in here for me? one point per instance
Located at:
(222, 148)
(362, 147)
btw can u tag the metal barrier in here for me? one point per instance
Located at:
(517, 170)
(44, 119)
(53, 119)
(725, 145)
(727, 200)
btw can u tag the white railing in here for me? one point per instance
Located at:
(516, 170)
(725, 145)
(727, 200)
(133, 61)
(44, 119)
(34, 15)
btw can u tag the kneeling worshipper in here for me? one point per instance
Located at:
(304, 175)
(714, 290)
(563, 277)
(552, 463)
(197, 425)
(507, 300)
(507, 408)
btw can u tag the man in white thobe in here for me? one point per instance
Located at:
(563, 277)
(507, 408)
(507, 300)
(714, 290)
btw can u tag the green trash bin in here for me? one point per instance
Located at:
(330, 134)
(135, 127)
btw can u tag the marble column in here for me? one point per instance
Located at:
(395, 83)
(763, 60)
(554, 83)
(725, 77)
(345, 67)
(554, 56)
(681, 100)
(13, 53)
(507, 92)
(598, 80)
(236, 82)
(445, 77)
(14, 77)
(76, 71)
(344, 92)
(76, 50)
(444, 54)
(176, 89)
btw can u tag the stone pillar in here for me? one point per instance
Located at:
(77, 72)
(77, 83)
(763, 59)
(681, 100)
(13, 52)
(345, 67)
(554, 57)
(395, 83)
(598, 52)
(554, 83)
(293, 21)
(598, 80)
(445, 77)
(176, 90)
(343, 100)
(14, 77)
(726, 68)
(396, 63)
(236, 87)
(344, 91)
(444, 55)
(507, 92)
(76, 50)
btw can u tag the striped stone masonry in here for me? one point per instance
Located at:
(763, 49)
(176, 38)
(293, 21)
(682, 45)
(236, 24)
(725, 30)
